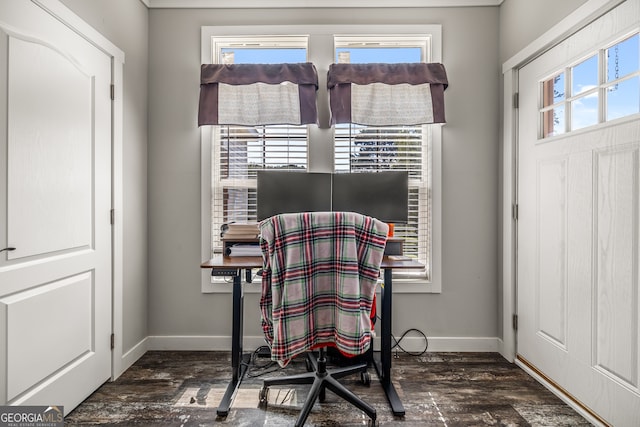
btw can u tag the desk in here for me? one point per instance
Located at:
(233, 266)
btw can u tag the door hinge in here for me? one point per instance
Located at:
(113, 92)
(515, 322)
(514, 211)
(112, 216)
(516, 100)
(113, 341)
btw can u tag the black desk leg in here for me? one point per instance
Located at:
(239, 362)
(383, 365)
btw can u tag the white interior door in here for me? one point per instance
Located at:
(578, 227)
(55, 201)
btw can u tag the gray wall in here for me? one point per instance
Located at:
(468, 305)
(523, 21)
(161, 71)
(126, 24)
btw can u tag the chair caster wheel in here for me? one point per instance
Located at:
(263, 397)
(372, 423)
(365, 378)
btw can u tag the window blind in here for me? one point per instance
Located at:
(240, 153)
(368, 149)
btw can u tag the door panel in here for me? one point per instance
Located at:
(64, 305)
(551, 269)
(55, 201)
(616, 289)
(578, 232)
(57, 177)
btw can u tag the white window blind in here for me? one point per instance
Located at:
(239, 151)
(378, 148)
(372, 149)
(244, 44)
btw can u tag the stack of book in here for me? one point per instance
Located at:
(243, 249)
(240, 239)
(239, 230)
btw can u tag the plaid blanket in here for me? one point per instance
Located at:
(318, 284)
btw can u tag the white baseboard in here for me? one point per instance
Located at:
(505, 350)
(131, 356)
(412, 344)
(192, 343)
(462, 344)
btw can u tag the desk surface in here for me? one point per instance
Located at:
(220, 261)
(233, 262)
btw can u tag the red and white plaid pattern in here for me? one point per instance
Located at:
(319, 276)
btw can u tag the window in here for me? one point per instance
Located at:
(370, 149)
(239, 151)
(232, 155)
(585, 94)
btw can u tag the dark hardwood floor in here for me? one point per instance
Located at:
(437, 389)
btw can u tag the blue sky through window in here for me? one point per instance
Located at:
(623, 58)
(585, 75)
(388, 55)
(621, 84)
(267, 55)
(358, 55)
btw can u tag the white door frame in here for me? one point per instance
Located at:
(582, 16)
(119, 361)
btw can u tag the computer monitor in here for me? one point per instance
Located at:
(289, 192)
(382, 195)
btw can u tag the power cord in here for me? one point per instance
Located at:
(397, 345)
(256, 369)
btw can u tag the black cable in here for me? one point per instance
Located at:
(410, 353)
(255, 369)
(271, 366)
(397, 342)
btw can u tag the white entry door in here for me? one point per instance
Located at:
(578, 297)
(55, 202)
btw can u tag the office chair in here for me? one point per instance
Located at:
(318, 284)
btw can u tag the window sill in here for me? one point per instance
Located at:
(416, 286)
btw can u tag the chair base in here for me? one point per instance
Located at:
(320, 380)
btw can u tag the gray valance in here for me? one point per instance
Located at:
(258, 94)
(387, 94)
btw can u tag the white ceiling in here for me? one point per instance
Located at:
(274, 4)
